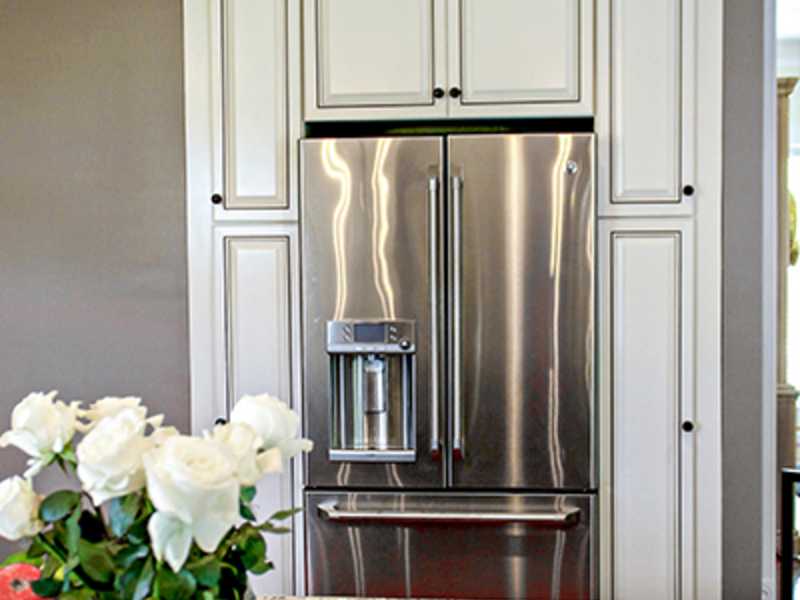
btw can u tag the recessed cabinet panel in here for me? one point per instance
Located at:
(254, 92)
(519, 50)
(646, 101)
(374, 52)
(258, 316)
(645, 282)
(258, 354)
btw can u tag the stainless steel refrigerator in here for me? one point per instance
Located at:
(448, 340)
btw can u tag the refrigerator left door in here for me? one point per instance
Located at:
(371, 218)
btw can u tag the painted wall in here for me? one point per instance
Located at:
(93, 297)
(743, 173)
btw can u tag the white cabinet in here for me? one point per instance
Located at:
(392, 59)
(242, 106)
(256, 350)
(653, 106)
(647, 340)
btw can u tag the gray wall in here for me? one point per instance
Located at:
(93, 297)
(743, 172)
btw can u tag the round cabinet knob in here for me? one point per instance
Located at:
(405, 344)
(687, 426)
(216, 199)
(455, 92)
(438, 93)
(220, 421)
(688, 190)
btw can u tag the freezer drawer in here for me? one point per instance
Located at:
(433, 545)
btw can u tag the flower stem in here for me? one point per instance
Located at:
(59, 556)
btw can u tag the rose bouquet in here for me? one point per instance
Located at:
(160, 514)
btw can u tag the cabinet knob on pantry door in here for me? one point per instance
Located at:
(687, 426)
(216, 199)
(438, 93)
(688, 190)
(220, 421)
(455, 92)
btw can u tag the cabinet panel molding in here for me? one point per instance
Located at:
(384, 57)
(254, 88)
(647, 388)
(257, 349)
(646, 101)
(514, 51)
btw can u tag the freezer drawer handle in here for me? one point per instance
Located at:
(328, 511)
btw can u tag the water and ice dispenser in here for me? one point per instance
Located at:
(372, 390)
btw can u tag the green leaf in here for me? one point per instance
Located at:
(145, 583)
(270, 528)
(129, 554)
(206, 570)
(69, 454)
(137, 534)
(77, 594)
(261, 567)
(96, 562)
(245, 512)
(58, 505)
(73, 532)
(46, 588)
(285, 514)
(122, 513)
(247, 493)
(175, 586)
(23, 557)
(252, 546)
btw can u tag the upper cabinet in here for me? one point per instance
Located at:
(398, 59)
(653, 106)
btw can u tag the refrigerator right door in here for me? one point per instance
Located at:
(522, 305)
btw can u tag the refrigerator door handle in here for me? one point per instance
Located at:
(455, 318)
(328, 511)
(435, 308)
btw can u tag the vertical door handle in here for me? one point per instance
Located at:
(455, 316)
(434, 256)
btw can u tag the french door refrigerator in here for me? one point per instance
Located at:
(448, 333)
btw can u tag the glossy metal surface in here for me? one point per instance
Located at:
(524, 318)
(425, 558)
(366, 256)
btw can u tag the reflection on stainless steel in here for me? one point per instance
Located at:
(526, 311)
(366, 248)
(337, 170)
(489, 260)
(380, 228)
(450, 558)
(556, 249)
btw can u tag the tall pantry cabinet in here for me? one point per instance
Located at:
(242, 122)
(648, 71)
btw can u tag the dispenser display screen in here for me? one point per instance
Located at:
(369, 332)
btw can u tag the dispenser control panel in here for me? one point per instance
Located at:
(371, 337)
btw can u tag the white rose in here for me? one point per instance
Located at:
(192, 484)
(275, 422)
(245, 445)
(111, 405)
(19, 508)
(41, 428)
(110, 456)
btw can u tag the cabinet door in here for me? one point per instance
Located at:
(648, 355)
(384, 57)
(256, 350)
(253, 104)
(519, 56)
(653, 106)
